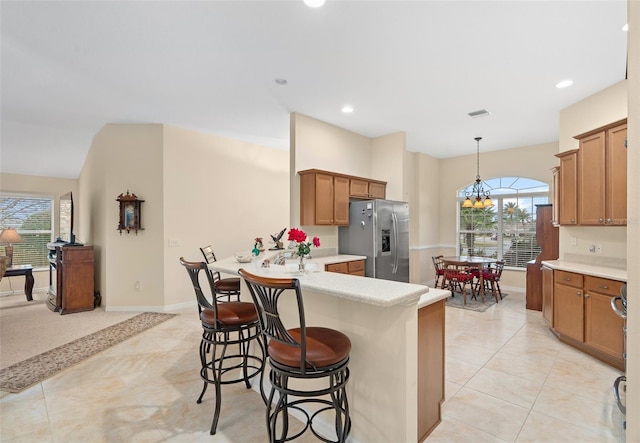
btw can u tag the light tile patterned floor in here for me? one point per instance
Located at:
(508, 380)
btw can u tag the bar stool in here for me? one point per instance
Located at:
(225, 288)
(300, 353)
(224, 324)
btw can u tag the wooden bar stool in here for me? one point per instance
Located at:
(224, 324)
(302, 353)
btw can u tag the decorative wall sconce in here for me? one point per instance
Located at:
(130, 214)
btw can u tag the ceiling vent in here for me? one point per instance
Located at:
(480, 113)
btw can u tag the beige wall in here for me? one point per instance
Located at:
(48, 187)
(198, 189)
(604, 107)
(633, 225)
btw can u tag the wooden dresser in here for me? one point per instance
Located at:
(71, 279)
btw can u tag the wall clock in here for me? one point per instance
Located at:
(130, 213)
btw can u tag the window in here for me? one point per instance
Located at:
(507, 230)
(32, 217)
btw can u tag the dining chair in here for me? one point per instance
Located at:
(225, 324)
(299, 356)
(225, 288)
(438, 265)
(457, 275)
(491, 278)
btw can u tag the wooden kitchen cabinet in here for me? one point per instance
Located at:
(567, 184)
(324, 199)
(547, 295)
(603, 328)
(602, 178)
(583, 318)
(547, 237)
(362, 188)
(431, 326)
(354, 267)
(324, 196)
(568, 305)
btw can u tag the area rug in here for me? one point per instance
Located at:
(472, 305)
(24, 374)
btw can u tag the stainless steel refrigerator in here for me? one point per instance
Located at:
(378, 229)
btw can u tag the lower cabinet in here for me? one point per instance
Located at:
(583, 318)
(355, 267)
(547, 295)
(431, 325)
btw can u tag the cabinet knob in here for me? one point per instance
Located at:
(586, 295)
(578, 293)
(604, 287)
(573, 220)
(601, 220)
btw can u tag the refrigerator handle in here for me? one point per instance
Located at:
(394, 247)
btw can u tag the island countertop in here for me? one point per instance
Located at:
(372, 291)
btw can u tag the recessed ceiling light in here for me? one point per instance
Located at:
(314, 3)
(281, 81)
(564, 84)
(625, 28)
(347, 109)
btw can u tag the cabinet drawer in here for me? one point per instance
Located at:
(602, 285)
(568, 278)
(342, 268)
(355, 266)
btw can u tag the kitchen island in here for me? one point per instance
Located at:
(397, 336)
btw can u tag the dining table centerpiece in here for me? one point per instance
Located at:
(303, 247)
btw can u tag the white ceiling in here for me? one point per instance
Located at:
(68, 68)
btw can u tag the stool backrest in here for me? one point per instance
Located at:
(193, 269)
(267, 294)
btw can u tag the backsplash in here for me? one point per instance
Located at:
(597, 260)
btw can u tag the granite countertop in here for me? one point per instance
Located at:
(361, 289)
(587, 269)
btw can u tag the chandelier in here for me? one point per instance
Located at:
(478, 191)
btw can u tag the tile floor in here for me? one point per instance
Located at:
(507, 380)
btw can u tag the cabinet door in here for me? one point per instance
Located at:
(340, 268)
(568, 188)
(359, 188)
(547, 295)
(568, 311)
(324, 199)
(591, 180)
(603, 328)
(377, 190)
(616, 183)
(341, 201)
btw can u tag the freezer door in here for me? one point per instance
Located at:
(358, 238)
(385, 253)
(401, 216)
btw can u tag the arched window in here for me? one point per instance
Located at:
(508, 229)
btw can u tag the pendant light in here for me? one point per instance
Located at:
(482, 198)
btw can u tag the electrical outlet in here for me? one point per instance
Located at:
(599, 248)
(137, 286)
(574, 241)
(174, 243)
(592, 249)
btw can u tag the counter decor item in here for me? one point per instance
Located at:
(276, 239)
(303, 246)
(259, 244)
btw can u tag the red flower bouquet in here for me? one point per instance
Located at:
(304, 247)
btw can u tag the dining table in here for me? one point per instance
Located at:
(473, 261)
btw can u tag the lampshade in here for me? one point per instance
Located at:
(10, 235)
(477, 191)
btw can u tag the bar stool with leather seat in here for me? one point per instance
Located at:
(225, 288)
(224, 324)
(300, 354)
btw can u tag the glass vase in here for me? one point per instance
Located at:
(301, 264)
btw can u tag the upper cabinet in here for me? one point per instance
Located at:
(590, 186)
(602, 176)
(363, 188)
(324, 196)
(567, 188)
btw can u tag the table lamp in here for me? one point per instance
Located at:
(9, 236)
